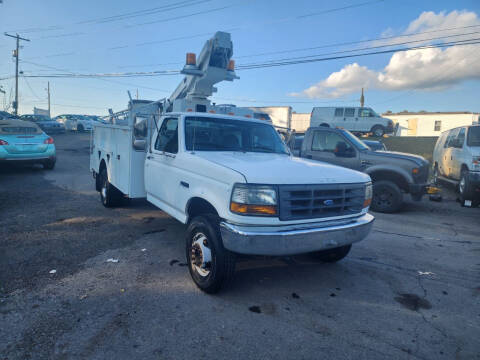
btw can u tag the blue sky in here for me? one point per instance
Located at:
(257, 27)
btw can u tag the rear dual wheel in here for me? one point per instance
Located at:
(109, 194)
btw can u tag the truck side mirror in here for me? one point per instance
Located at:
(140, 144)
(140, 128)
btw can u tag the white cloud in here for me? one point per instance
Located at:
(426, 69)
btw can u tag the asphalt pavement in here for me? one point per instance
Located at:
(79, 281)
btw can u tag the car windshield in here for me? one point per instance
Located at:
(473, 138)
(359, 144)
(40, 118)
(216, 134)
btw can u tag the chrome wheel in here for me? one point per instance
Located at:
(201, 255)
(461, 185)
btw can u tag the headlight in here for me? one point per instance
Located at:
(254, 200)
(368, 195)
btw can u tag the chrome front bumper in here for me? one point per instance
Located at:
(294, 239)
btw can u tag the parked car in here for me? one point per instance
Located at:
(375, 145)
(45, 123)
(6, 115)
(393, 174)
(355, 119)
(73, 122)
(456, 159)
(24, 142)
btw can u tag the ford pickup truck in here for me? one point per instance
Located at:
(393, 174)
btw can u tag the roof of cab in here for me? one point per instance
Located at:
(219, 116)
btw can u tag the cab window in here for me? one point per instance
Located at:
(459, 139)
(167, 139)
(365, 112)
(328, 141)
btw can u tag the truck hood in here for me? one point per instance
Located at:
(266, 168)
(419, 160)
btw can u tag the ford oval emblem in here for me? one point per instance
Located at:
(328, 202)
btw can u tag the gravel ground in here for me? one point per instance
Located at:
(410, 290)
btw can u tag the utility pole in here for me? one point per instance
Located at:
(16, 55)
(362, 99)
(48, 90)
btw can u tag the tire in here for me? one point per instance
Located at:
(211, 266)
(435, 175)
(109, 195)
(332, 255)
(387, 197)
(80, 128)
(465, 189)
(324, 125)
(49, 164)
(378, 130)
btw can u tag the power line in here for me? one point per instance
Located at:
(31, 89)
(273, 63)
(295, 62)
(371, 47)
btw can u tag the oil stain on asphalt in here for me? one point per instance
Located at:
(413, 302)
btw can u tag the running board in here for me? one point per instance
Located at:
(453, 182)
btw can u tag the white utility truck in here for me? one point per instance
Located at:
(229, 178)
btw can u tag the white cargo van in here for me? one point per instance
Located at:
(354, 119)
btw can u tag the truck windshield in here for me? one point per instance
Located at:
(473, 138)
(215, 134)
(359, 144)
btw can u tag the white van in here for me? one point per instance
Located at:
(456, 159)
(354, 119)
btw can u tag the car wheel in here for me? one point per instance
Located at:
(80, 128)
(324, 125)
(387, 197)
(332, 255)
(435, 175)
(211, 266)
(378, 130)
(49, 164)
(465, 189)
(109, 195)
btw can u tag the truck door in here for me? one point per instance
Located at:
(161, 177)
(331, 147)
(447, 155)
(457, 154)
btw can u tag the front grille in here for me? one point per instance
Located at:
(320, 201)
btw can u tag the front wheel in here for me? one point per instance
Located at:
(80, 128)
(332, 255)
(49, 164)
(378, 130)
(211, 265)
(465, 188)
(387, 197)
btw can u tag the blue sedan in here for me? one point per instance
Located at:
(24, 142)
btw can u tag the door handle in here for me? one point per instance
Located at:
(365, 162)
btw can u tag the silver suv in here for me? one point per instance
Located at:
(456, 159)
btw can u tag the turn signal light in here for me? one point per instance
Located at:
(253, 209)
(367, 203)
(48, 141)
(231, 65)
(3, 142)
(415, 171)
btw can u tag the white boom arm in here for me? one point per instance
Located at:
(213, 66)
